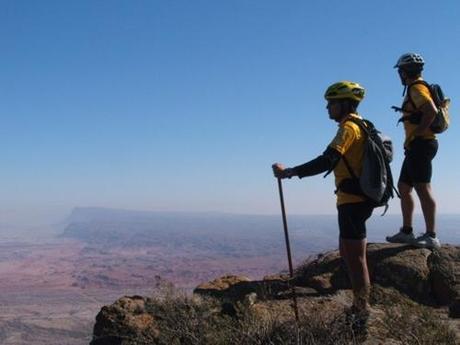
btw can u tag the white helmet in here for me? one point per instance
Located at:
(410, 59)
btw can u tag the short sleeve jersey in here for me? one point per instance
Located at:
(420, 94)
(349, 141)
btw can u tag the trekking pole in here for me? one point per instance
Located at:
(288, 247)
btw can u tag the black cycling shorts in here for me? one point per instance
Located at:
(352, 220)
(417, 166)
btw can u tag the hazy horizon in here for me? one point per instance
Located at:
(378, 226)
(49, 217)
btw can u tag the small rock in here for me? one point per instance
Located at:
(454, 309)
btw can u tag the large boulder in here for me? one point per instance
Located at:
(425, 276)
(239, 288)
(445, 274)
(428, 277)
(219, 286)
(126, 319)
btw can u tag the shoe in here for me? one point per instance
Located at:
(426, 241)
(357, 320)
(401, 237)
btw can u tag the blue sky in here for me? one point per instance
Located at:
(184, 105)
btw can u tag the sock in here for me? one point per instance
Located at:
(361, 298)
(432, 234)
(407, 229)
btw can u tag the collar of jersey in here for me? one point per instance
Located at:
(346, 118)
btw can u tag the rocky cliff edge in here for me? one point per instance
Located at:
(415, 299)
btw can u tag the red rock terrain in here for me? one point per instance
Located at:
(51, 292)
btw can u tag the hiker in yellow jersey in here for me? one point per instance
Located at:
(420, 147)
(343, 99)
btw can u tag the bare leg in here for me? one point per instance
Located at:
(428, 204)
(354, 254)
(341, 249)
(407, 203)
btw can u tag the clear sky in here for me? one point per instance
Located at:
(184, 105)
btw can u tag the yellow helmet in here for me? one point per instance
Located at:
(345, 90)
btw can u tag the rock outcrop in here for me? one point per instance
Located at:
(428, 277)
(399, 274)
(123, 321)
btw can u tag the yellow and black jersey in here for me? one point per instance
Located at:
(417, 95)
(349, 142)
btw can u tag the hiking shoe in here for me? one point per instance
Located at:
(401, 237)
(357, 320)
(426, 241)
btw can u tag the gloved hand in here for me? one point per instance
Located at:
(281, 172)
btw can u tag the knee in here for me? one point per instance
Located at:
(404, 189)
(424, 191)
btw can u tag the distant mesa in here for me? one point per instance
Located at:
(228, 234)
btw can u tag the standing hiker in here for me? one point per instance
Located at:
(353, 210)
(420, 147)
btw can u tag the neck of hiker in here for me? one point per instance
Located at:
(408, 81)
(345, 117)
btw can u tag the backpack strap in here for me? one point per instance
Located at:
(409, 98)
(350, 170)
(359, 123)
(414, 115)
(363, 125)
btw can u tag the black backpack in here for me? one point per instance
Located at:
(376, 180)
(442, 120)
